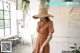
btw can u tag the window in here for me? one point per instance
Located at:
(5, 20)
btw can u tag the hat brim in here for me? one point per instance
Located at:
(42, 16)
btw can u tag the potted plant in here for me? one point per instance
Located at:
(75, 48)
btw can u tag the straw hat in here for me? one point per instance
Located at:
(42, 2)
(43, 12)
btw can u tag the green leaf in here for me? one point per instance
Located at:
(79, 47)
(75, 44)
(72, 47)
(73, 51)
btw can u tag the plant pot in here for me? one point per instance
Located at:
(68, 52)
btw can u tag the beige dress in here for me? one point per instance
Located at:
(43, 29)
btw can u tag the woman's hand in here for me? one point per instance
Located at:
(41, 50)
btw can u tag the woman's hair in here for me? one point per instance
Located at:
(47, 18)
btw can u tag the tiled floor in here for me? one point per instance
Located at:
(22, 49)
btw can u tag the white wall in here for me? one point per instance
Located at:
(64, 35)
(13, 19)
(30, 24)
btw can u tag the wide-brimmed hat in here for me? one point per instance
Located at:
(43, 12)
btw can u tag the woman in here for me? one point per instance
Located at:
(45, 30)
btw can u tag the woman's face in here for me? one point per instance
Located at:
(42, 19)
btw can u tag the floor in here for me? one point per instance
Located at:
(22, 49)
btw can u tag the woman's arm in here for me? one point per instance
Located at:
(47, 40)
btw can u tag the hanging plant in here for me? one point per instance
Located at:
(25, 5)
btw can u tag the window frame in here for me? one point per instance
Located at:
(4, 26)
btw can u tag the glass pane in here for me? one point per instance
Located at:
(1, 33)
(7, 31)
(1, 14)
(1, 24)
(6, 15)
(7, 23)
(6, 6)
(1, 5)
